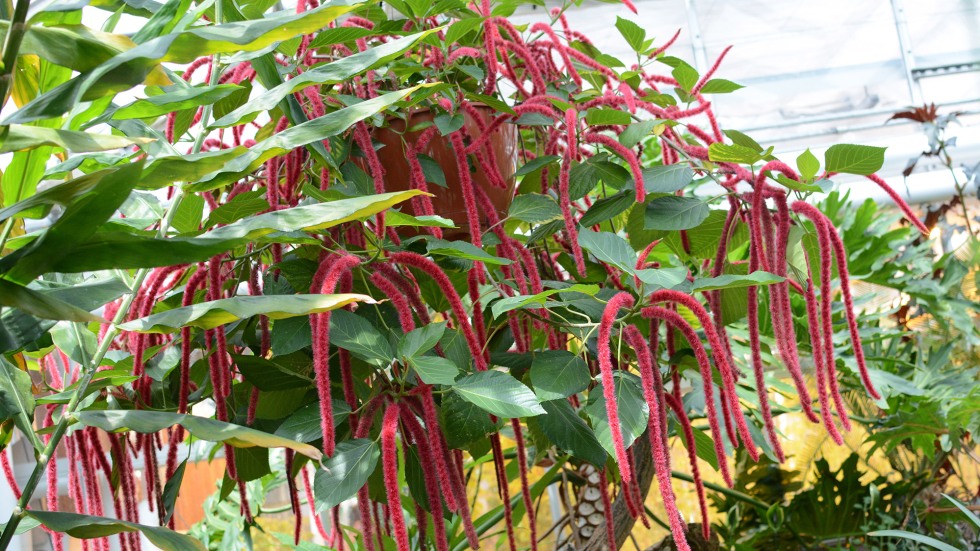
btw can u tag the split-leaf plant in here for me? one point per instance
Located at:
(213, 193)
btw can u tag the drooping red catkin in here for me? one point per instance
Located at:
(782, 312)
(321, 349)
(607, 508)
(8, 472)
(293, 497)
(525, 484)
(679, 323)
(564, 198)
(620, 300)
(654, 395)
(845, 286)
(389, 464)
(429, 478)
(757, 367)
(707, 76)
(905, 208)
(466, 185)
(450, 479)
(398, 300)
(826, 319)
(692, 457)
(419, 262)
(813, 324)
(720, 354)
(503, 488)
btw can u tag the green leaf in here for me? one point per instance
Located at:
(395, 218)
(742, 139)
(602, 117)
(185, 98)
(87, 527)
(434, 370)
(465, 250)
(854, 159)
(808, 164)
(19, 137)
(315, 130)
(661, 278)
(539, 300)
(109, 250)
(339, 35)
(733, 281)
(282, 372)
(345, 472)
(558, 374)
(134, 65)
(667, 179)
(171, 489)
(733, 153)
(189, 214)
(534, 208)
(685, 75)
(39, 204)
(26, 525)
(356, 335)
(448, 123)
(211, 430)
(925, 540)
(163, 171)
(464, 422)
(535, 164)
(966, 512)
(609, 248)
(461, 28)
(635, 132)
(608, 208)
(419, 341)
(211, 314)
(303, 425)
(499, 394)
(720, 86)
(570, 432)
(73, 46)
(341, 70)
(240, 206)
(704, 447)
(675, 213)
(41, 305)
(633, 411)
(633, 33)
(17, 399)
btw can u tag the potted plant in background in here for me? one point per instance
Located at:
(554, 320)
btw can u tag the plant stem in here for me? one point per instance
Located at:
(7, 228)
(15, 35)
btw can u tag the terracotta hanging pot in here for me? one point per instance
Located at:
(448, 201)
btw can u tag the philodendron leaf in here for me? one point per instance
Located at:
(87, 527)
(499, 394)
(337, 71)
(208, 315)
(570, 432)
(733, 281)
(558, 374)
(19, 137)
(40, 305)
(81, 219)
(133, 66)
(212, 430)
(116, 249)
(345, 472)
(854, 159)
(185, 98)
(17, 398)
(315, 130)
